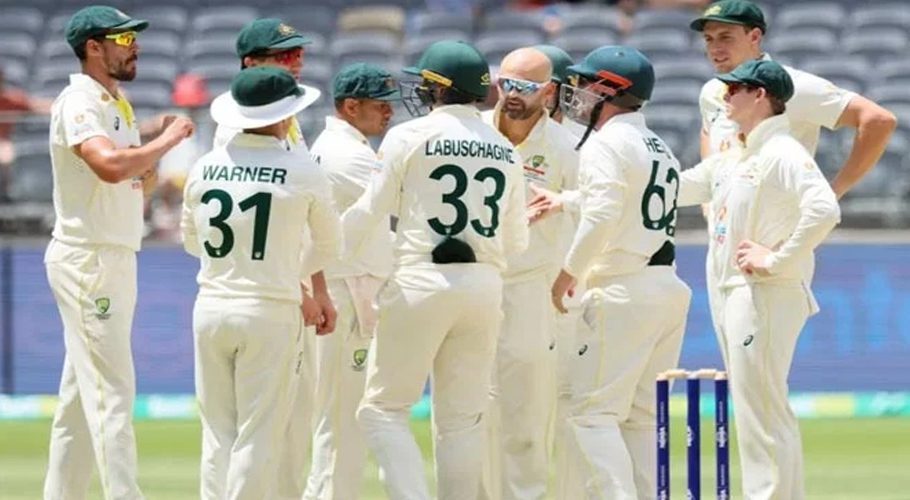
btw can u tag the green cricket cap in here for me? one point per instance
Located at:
(454, 64)
(365, 81)
(97, 20)
(559, 59)
(266, 34)
(742, 12)
(621, 66)
(263, 85)
(768, 75)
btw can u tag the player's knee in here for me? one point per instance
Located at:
(453, 424)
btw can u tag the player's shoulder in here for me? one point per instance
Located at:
(712, 92)
(560, 135)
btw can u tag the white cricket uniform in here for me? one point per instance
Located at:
(523, 394)
(770, 191)
(296, 446)
(445, 174)
(247, 209)
(339, 449)
(91, 268)
(634, 310)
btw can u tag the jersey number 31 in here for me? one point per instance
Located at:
(262, 202)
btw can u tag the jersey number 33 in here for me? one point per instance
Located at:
(454, 199)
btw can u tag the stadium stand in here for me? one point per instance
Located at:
(857, 45)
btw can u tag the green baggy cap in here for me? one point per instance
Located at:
(454, 64)
(266, 34)
(768, 75)
(365, 81)
(97, 20)
(559, 59)
(742, 12)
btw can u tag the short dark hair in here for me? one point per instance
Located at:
(778, 107)
(452, 95)
(79, 50)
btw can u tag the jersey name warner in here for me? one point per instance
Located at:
(467, 148)
(273, 175)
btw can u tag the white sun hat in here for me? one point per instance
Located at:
(261, 96)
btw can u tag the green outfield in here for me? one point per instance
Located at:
(863, 459)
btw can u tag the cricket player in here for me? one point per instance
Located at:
(363, 94)
(635, 307)
(559, 62)
(247, 208)
(523, 393)
(733, 31)
(773, 206)
(269, 42)
(100, 169)
(456, 186)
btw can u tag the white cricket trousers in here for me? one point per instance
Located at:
(339, 448)
(632, 329)
(248, 359)
(566, 354)
(295, 446)
(95, 290)
(523, 394)
(440, 320)
(760, 324)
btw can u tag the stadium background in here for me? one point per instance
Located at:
(851, 359)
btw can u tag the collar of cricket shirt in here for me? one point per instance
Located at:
(456, 109)
(633, 118)
(336, 124)
(246, 140)
(86, 82)
(764, 131)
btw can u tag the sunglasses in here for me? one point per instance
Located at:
(123, 39)
(523, 87)
(286, 57)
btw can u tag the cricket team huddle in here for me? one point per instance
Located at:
(522, 258)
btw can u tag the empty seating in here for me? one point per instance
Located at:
(578, 43)
(427, 23)
(496, 45)
(509, 20)
(20, 20)
(33, 179)
(879, 44)
(803, 15)
(875, 16)
(660, 43)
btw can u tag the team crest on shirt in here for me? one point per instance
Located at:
(102, 307)
(537, 168)
(359, 359)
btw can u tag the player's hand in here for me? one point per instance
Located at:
(178, 128)
(543, 203)
(752, 258)
(311, 310)
(327, 313)
(564, 285)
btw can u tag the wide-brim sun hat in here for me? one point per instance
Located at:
(260, 97)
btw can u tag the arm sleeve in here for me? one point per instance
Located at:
(695, 183)
(570, 196)
(603, 188)
(324, 227)
(381, 197)
(817, 100)
(188, 224)
(818, 211)
(81, 119)
(516, 235)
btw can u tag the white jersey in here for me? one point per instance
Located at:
(549, 161)
(769, 191)
(816, 103)
(246, 211)
(348, 161)
(90, 211)
(629, 180)
(445, 174)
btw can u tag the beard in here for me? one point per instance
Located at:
(125, 71)
(516, 109)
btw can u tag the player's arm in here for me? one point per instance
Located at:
(695, 183)
(84, 133)
(818, 214)
(188, 224)
(325, 228)
(603, 185)
(704, 144)
(874, 126)
(380, 198)
(325, 323)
